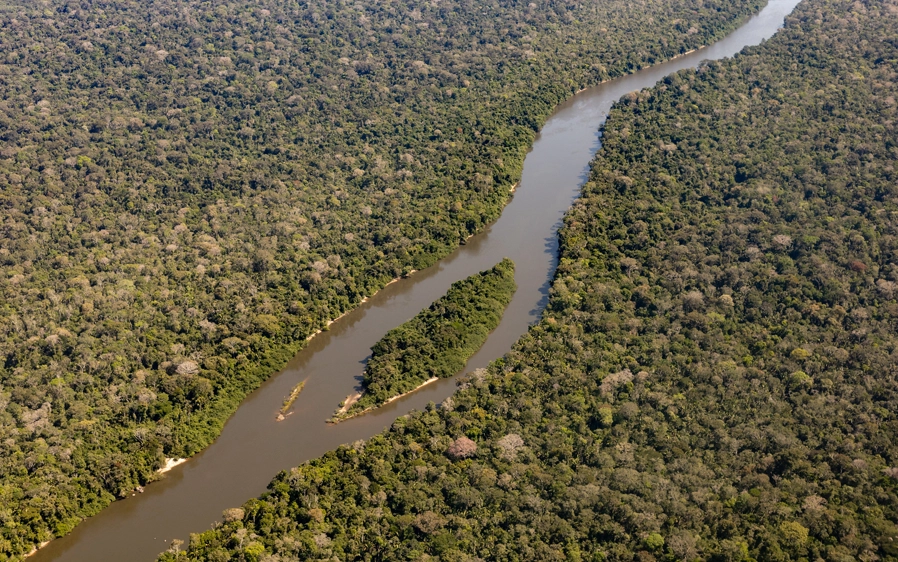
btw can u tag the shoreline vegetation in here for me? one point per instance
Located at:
(36, 548)
(436, 343)
(419, 387)
(216, 211)
(354, 397)
(583, 89)
(363, 301)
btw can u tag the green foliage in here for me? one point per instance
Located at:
(439, 340)
(254, 551)
(210, 183)
(799, 379)
(721, 229)
(606, 415)
(794, 533)
(654, 542)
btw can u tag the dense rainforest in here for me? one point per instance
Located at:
(438, 341)
(188, 189)
(714, 377)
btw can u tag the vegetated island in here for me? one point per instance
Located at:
(288, 402)
(714, 377)
(437, 342)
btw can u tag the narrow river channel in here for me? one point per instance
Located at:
(254, 447)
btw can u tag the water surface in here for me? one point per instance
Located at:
(254, 447)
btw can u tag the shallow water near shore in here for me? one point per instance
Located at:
(254, 446)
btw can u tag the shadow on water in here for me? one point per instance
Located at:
(551, 246)
(253, 447)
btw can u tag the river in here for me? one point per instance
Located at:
(254, 447)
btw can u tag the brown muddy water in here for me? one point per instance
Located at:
(254, 447)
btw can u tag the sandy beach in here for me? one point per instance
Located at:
(354, 397)
(422, 385)
(170, 464)
(38, 547)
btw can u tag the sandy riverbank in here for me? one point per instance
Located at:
(354, 397)
(420, 386)
(170, 464)
(38, 547)
(350, 400)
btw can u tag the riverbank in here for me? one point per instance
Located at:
(170, 464)
(361, 302)
(674, 58)
(354, 397)
(35, 549)
(419, 387)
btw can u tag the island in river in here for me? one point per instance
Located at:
(436, 343)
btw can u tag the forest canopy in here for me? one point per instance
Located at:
(189, 189)
(714, 377)
(438, 341)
